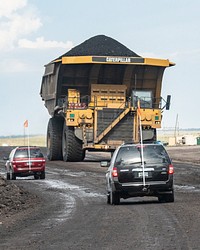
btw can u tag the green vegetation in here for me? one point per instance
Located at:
(34, 140)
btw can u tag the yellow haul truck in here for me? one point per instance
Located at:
(91, 93)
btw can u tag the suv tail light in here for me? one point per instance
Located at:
(14, 163)
(114, 172)
(171, 169)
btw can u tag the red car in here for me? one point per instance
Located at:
(25, 161)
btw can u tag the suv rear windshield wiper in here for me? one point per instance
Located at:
(135, 162)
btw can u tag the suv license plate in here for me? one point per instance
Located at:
(140, 174)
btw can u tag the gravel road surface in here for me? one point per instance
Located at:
(68, 209)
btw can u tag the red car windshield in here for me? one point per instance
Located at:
(25, 153)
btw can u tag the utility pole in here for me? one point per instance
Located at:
(176, 129)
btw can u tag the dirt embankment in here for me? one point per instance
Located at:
(13, 199)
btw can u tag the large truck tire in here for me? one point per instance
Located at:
(54, 138)
(71, 146)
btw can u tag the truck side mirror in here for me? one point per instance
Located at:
(168, 102)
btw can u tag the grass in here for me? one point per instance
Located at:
(38, 140)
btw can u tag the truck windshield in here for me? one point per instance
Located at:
(145, 98)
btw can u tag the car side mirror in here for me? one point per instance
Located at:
(104, 164)
(5, 158)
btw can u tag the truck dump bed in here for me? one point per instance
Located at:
(100, 60)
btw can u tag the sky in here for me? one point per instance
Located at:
(34, 32)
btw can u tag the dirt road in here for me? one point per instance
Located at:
(185, 153)
(68, 210)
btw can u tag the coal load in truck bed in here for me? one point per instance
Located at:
(100, 45)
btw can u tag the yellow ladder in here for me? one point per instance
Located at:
(112, 125)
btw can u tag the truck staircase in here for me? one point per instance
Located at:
(112, 125)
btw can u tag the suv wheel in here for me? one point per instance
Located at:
(169, 197)
(12, 175)
(108, 198)
(36, 176)
(8, 176)
(166, 197)
(42, 175)
(114, 198)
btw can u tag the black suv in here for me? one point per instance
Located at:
(139, 170)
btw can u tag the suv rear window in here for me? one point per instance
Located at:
(23, 153)
(132, 154)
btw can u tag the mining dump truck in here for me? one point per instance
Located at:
(91, 94)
